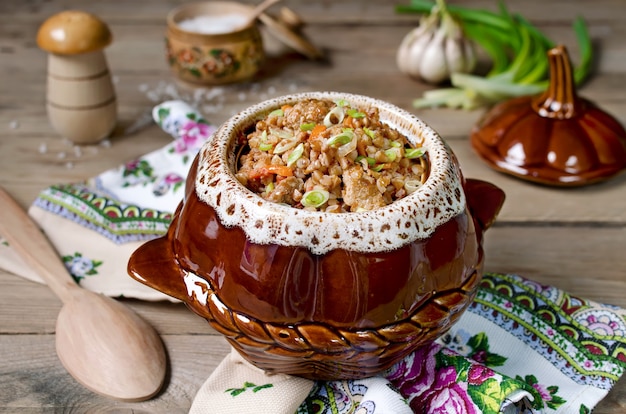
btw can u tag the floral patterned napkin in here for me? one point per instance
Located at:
(520, 348)
(123, 207)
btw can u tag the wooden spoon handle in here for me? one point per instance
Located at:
(260, 8)
(33, 247)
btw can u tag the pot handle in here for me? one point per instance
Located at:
(154, 265)
(484, 201)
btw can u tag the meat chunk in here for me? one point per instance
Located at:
(284, 190)
(360, 190)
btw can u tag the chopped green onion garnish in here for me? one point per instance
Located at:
(295, 154)
(369, 132)
(391, 154)
(370, 161)
(342, 138)
(355, 114)
(342, 102)
(277, 112)
(411, 185)
(347, 148)
(395, 144)
(315, 198)
(281, 133)
(378, 168)
(285, 145)
(336, 112)
(263, 144)
(269, 188)
(413, 152)
(307, 126)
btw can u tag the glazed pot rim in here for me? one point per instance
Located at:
(414, 217)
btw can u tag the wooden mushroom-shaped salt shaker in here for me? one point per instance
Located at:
(81, 100)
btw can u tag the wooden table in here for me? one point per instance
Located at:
(571, 238)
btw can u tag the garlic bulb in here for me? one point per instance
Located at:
(436, 48)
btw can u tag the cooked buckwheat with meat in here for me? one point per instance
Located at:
(328, 156)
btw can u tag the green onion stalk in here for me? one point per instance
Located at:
(517, 51)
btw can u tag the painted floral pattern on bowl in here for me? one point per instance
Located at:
(212, 64)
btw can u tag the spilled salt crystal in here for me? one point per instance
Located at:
(213, 24)
(197, 95)
(170, 90)
(215, 92)
(77, 151)
(61, 155)
(212, 109)
(69, 165)
(105, 143)
(14, 124)
(43, 148)
(141, 122)
(153, 96)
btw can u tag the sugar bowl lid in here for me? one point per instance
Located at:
(283, 32)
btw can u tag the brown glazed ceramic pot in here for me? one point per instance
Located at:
(323, 295)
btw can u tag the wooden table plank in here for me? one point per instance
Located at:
(572, 238)
(322, 13)
(33, 380)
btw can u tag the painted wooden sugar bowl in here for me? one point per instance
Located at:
(325, 235)
(213, 43)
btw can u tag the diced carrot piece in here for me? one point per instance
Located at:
(257, 173)
(280, 170)
(317, 129)
(261, 172)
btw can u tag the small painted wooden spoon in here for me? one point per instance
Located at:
(258, 9)
(102, 343)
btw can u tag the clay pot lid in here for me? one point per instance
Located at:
(283, 30)
(555, 138)
(73, 32)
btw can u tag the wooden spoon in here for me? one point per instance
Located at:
(103, 344)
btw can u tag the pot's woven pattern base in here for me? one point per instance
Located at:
(323, 352)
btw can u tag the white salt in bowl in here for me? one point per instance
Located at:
(213, 43)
